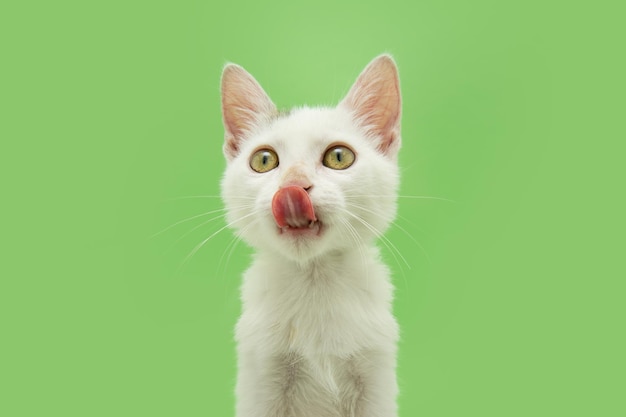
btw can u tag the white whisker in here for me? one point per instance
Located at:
(233, 244)
(392, 248)
(355, 237)
(200, 215)
(199, 245)
(401, 217)
(425, 197)
(185, 197)
(393, 223)
(195, 228)
(416, 197)
(186, 220)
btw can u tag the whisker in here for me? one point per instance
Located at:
(378, 234)
(414, 241)
(387, 243)
(224, 276)
(199, 245)
(394, 223)
(199, 215)
(412, 224)
(221, 216)
(185, 197)
(186, 220)
(355, 237)
(416, 197)
(425, 197)
(233, 244)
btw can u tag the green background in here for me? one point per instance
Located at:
(512, 303)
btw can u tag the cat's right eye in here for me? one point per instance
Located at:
(264, 160)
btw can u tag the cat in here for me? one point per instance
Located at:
(310, 190)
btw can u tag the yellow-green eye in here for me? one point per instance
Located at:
(338, 157)
(264, 160)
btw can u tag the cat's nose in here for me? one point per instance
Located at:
(295, 175)
(306, 186)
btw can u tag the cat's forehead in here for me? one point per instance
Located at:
(308, 128)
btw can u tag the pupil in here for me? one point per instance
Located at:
(265, 158)
(339, 155)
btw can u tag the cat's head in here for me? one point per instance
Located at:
(313, 180)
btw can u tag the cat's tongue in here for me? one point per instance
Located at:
(292, 207)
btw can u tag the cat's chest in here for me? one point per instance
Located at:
(320, 311)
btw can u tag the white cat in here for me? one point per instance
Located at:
(311, 190)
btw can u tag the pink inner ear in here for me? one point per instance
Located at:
(375, 101)
(244, 105)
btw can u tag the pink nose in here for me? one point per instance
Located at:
(296, 175)
(291, 206)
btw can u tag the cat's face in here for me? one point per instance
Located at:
(314, 180)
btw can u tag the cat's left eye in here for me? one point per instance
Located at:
(338, 157)
(264, 160)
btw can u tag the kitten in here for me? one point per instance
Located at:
(310, 190)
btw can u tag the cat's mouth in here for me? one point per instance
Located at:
(314, 227)
(294, 213)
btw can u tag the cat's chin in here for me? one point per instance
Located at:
(313, 229)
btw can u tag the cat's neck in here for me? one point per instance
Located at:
(288, 287)
(329, 258)
(350, 263)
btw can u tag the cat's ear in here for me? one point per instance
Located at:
(374, 100)
(244, 106)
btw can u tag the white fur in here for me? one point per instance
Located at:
(316, 337)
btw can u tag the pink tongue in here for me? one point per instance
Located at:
(292, 207)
